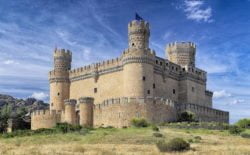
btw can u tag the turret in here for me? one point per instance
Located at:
(181, 53)
(70, 112)
(86, 111)
(138, 61)
(59, 79)
(138, 34)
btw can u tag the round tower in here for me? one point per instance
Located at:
(59, 79)
(181, 53)
(138, 61)
(86, 108)
(138, 34)
(70, 111)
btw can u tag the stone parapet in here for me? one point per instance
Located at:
(44, 119)
(141, 100)
(87, 100)
(144, 59)
(205, 114)
(96, 68)
(70, 101)
(119, 112)
(181, 44)
(209, 93)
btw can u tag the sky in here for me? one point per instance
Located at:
(96, 30)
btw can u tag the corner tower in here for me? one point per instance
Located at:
(138, 61)
(182, 53)
(59, 79)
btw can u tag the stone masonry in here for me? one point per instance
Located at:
(138, 84)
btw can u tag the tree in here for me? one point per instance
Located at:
(186, 117)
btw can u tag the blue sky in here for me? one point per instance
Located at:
(95, 30)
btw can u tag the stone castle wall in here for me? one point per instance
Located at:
(120, 111)
(205, 114)
(111, 79)
(44, 119)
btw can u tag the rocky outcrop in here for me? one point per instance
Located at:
(18, 111)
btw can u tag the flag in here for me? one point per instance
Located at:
(137, 17)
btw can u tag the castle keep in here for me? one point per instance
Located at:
(138, 84)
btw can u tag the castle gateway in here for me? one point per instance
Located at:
(138, 84)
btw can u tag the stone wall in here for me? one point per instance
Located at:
(44, 119)
(106, 86)
(119, 112)
(205, 114)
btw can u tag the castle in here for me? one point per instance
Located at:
(138, 84)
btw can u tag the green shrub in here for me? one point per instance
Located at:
(139, 122)
(7, 135)
(19, 133)
(155, 128)
(157, 134)
(65, 127)
(245, 135)
(243, 123)
(197, 138)
(186, 117)
(190, 140)
(235, 129)
(44, 131)
(225, 126)
(84, 131)
(176, 144)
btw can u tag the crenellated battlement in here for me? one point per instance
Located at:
(45, 119)
(95, 67)
(45, 112)
(140, 100)
(209, 93)
(62, 53)
(135, 24)
(70, 102)
(181, 53)
(196, 72)
(138, 34)
(181, 45)
(205, 113)
(166, 67)
(135, 52)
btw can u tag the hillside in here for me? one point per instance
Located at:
(30, 103)
(125, 141)
(18, 110)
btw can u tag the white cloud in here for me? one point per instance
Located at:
(167, 35)
(195, 11)
(9, 62)
(65, 36)
(221, 94)
(40, 95)
(86, 53)
(214, 63)
(238, 101)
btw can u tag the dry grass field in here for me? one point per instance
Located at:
(130, 141)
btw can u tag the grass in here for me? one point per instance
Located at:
(125, 141)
